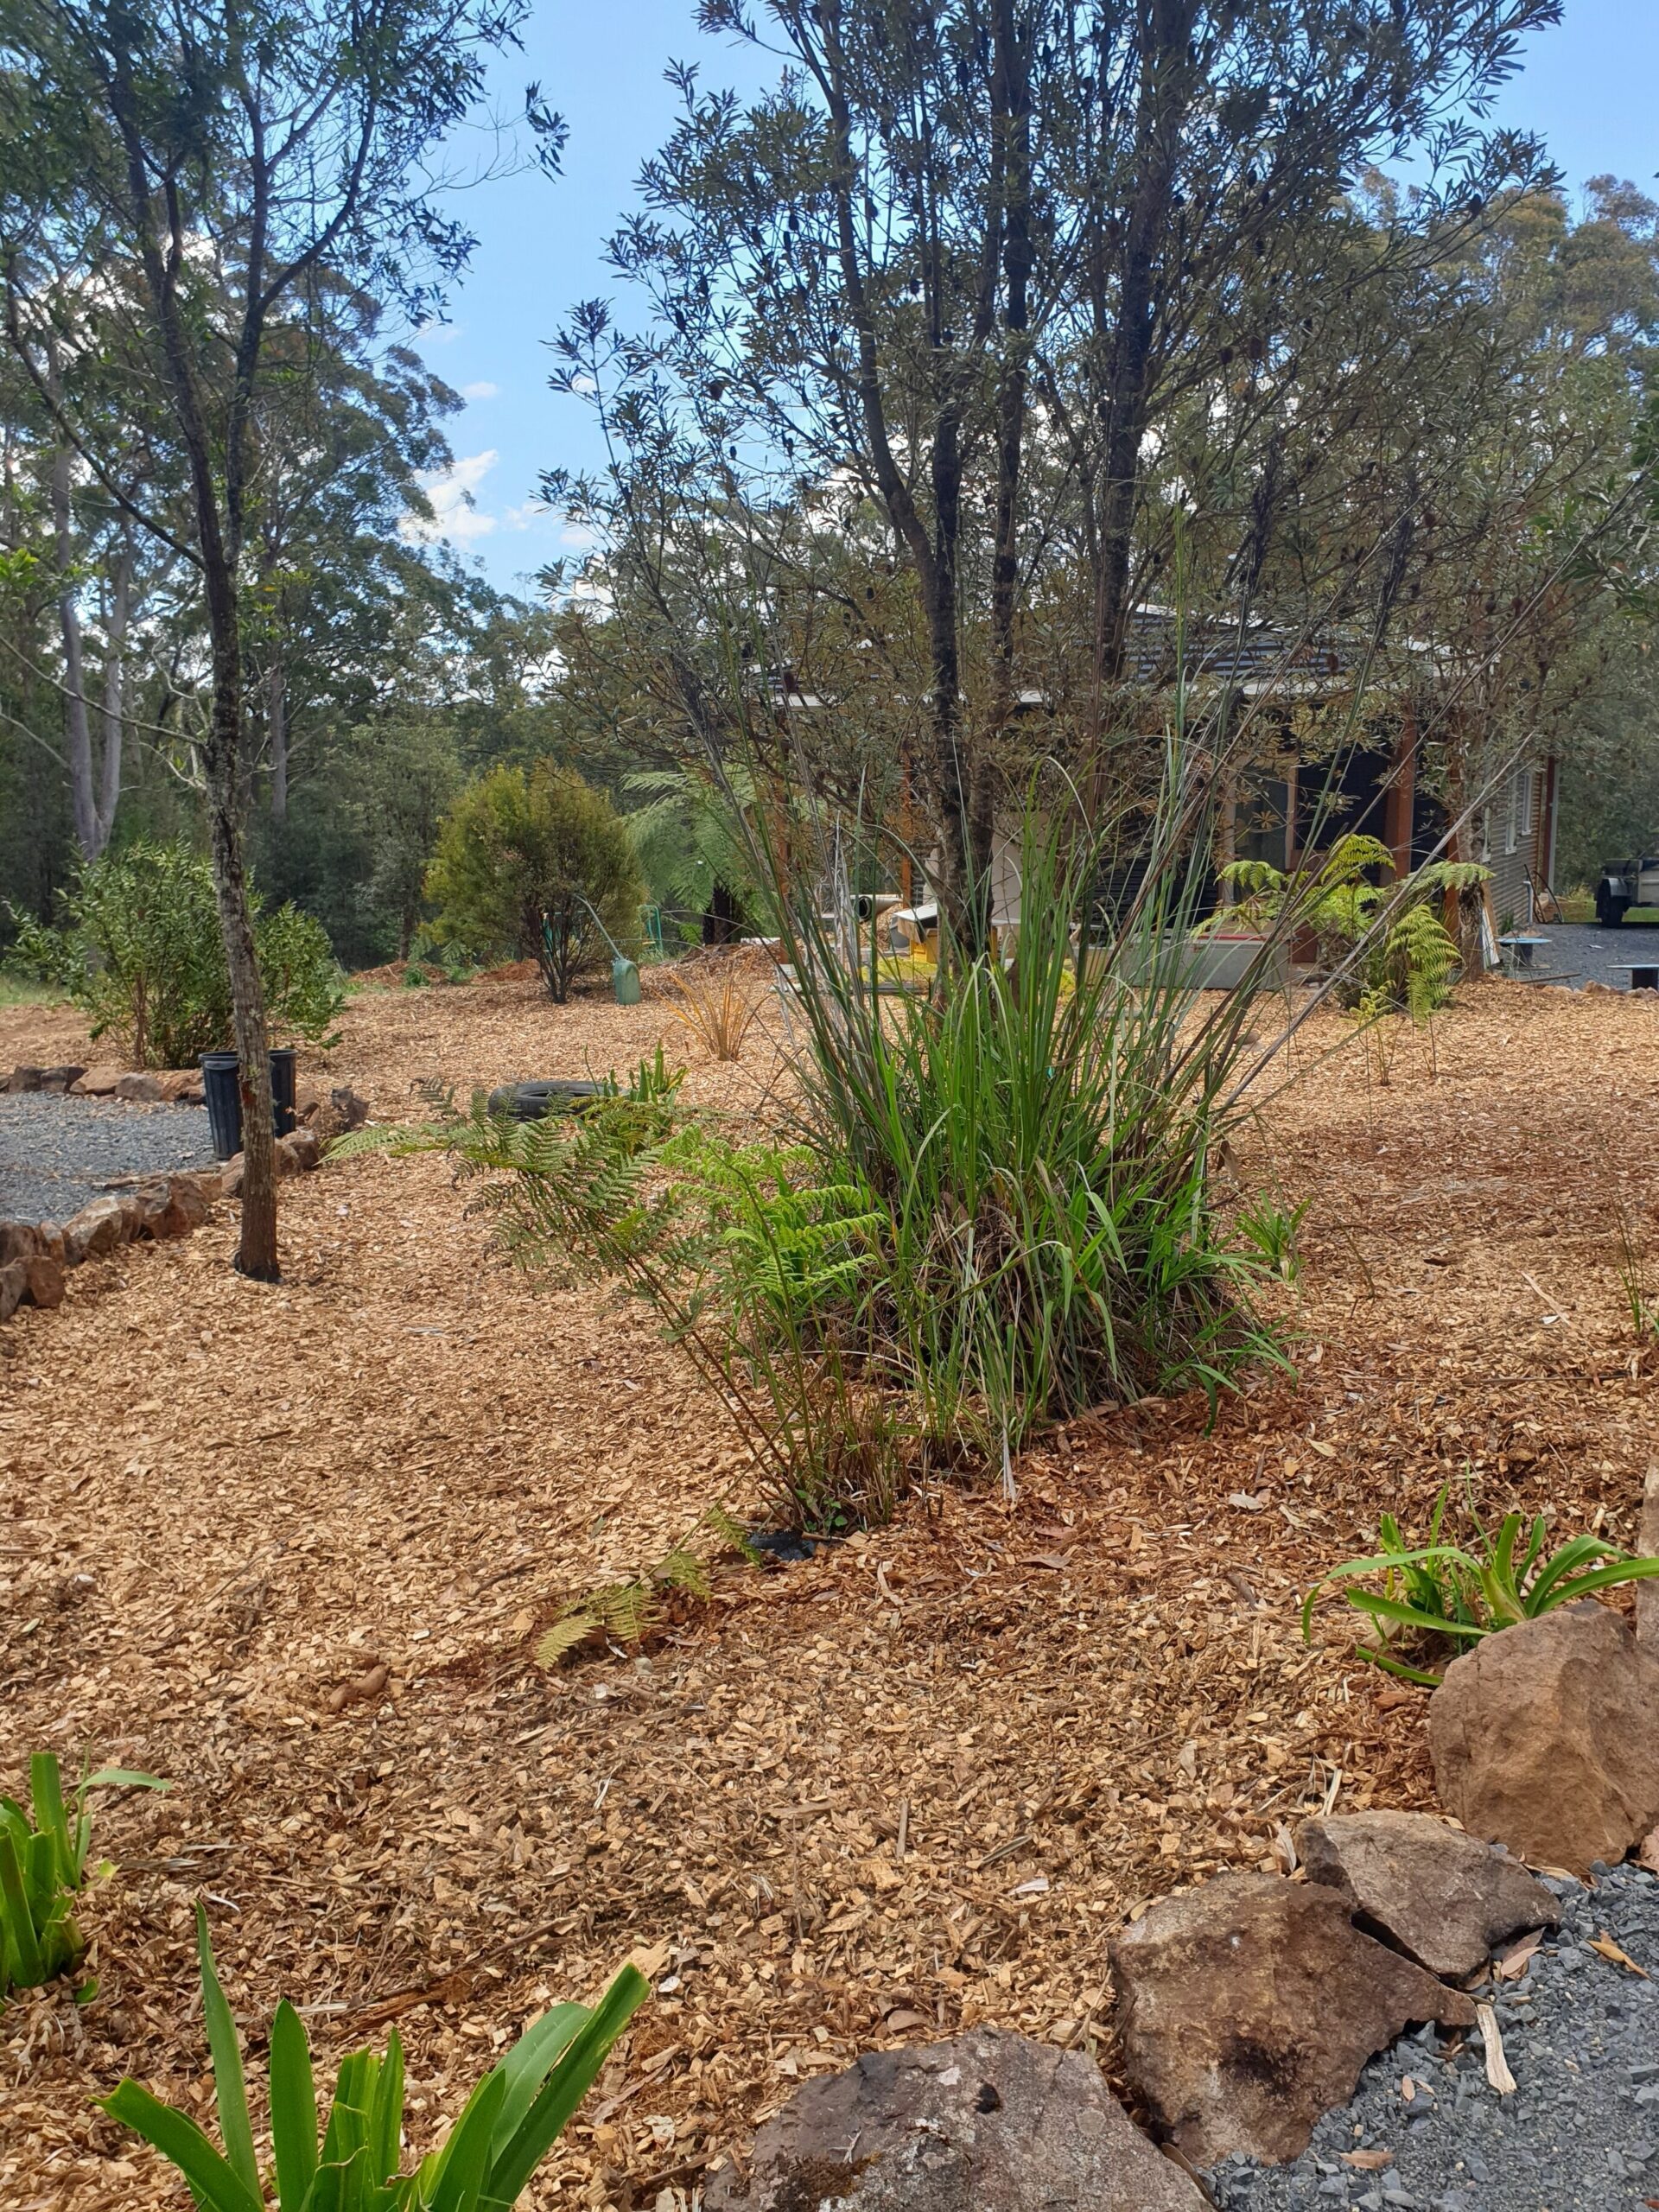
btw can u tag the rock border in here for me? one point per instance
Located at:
(35, 1255)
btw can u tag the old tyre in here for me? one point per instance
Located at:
(534, 1101)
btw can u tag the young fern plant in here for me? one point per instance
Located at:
(43, 1870)
(509, 2124)
(1443, 1593)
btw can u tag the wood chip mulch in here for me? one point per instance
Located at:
(915, 1783)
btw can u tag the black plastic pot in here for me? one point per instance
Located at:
(223, 1096)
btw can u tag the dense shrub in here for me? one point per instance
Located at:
(537, 866)
(138, 949)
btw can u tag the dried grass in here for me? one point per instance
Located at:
(913, 1783)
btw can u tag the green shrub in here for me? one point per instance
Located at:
(43, 1869)
(139, 952)
(350, 2162)
(1441, 1594)
(537, 866)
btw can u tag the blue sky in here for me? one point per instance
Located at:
(1588, 87)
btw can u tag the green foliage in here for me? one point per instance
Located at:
(509, 2124)
(627, 1611)
(43, 1868)
(682, 834)
(1443, 1593)
(139, 951)
(1396, 953)
(1635, 1281)
(995, 1211)
(1275, 1234)
(535, 864)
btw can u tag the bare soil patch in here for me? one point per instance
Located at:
(912, 1784)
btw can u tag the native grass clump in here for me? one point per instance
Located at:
(991, 1209)
(1427, 1603)
(349, 2158)
(43, 1870)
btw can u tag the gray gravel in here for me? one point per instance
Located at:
(57, 1152)
(1579, 953)
(1581, 2132)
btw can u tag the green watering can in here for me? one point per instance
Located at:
(625, 974)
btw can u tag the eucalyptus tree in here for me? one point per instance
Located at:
(209, 170)
(961, 268)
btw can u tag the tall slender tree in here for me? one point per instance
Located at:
(210, 171)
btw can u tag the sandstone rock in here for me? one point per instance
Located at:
(51, 1238)
(298, 1153)
(44, 1283)
(172, 1205)
(19, 1240)
(98, 1082)
(1546, 1738)
(181, 1086)
(988, 2119)
(1443, 1899)
(14, 1282)
(33, 1078)
(230, 1177)
(140, 1090)
(1247, 2006)
(101, 1225)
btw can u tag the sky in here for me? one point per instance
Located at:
(1587, 86)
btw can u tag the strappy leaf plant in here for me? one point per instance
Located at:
(349, 2159)
(1441, 1594)
(43, 1869)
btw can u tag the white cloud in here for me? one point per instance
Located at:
(483, 390)
(455, 514)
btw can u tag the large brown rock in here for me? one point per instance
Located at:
(34, 1078)
(140, 1090)
(19, 1240)
(1546, 1738)
(43, 1281)
(1442, 1898)
(989, 2121)
(101, 1225)
(298, 1153)
(172, 1205)
(14, 1283)
(98, 1082)
(1247, 2006)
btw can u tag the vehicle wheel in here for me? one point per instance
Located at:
(1609, 912)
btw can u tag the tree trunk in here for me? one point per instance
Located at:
(114, 714)
(78, 735)
(257, 1250)
(277, 715)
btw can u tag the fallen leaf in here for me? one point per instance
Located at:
(1058, 1560)
(1324, 1451)
(1513, 1964)
(1037, 1887)
(1368, 2161)
(1604, 1945)
(1246, 1504)
(901, 2020)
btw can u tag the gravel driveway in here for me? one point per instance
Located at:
(1579, 953)
(1581, 2132)
(57, 1152)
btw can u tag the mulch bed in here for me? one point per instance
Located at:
(914, 1782)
